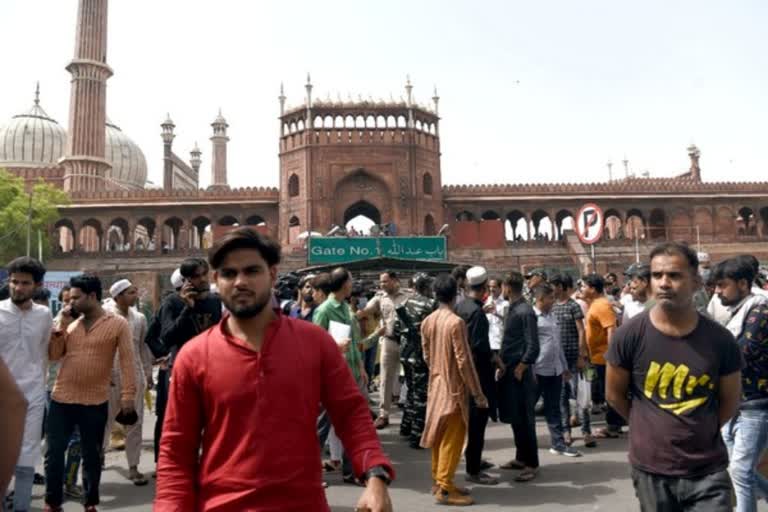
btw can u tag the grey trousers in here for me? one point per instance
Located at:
(708, 493)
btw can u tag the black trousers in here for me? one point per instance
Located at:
(523, 396)
(478, 420)
(657, 493)
(160, 403)
(62, 420)
(612, 418)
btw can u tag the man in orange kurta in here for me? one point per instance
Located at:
(452, 378)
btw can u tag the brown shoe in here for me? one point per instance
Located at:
(461, 490)
(381, 422)
(453, 499)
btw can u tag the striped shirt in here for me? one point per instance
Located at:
(86, 361)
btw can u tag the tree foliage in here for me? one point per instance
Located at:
(14, 212)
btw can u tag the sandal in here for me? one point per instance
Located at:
(604, 433)
(331, 466)
(527, 475)
(513, 465)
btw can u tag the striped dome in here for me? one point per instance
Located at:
(32, 139)
(129, 166)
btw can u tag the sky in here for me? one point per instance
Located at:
(545, 91)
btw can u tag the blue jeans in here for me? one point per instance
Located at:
(22, 488)
(746, 436)
(551, 387)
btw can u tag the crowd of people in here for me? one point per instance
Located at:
(257, 374)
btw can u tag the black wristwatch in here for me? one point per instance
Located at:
(379, 472)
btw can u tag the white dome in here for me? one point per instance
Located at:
(32, 139)
(129, 166)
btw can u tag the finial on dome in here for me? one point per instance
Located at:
(37, 93)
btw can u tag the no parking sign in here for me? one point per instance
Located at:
(589, 223)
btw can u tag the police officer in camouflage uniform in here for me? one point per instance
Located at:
(408, 325)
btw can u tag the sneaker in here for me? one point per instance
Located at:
(381, 423)
(73, 491)
(567, 451)
(486, 465)
(453, 499)
(589, 441)
(482, 479)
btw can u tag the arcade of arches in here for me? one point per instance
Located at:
(145, 234)
(703, 223)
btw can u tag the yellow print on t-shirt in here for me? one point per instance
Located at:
(683, 385)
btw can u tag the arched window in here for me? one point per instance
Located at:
(293, 186)
(427, 184)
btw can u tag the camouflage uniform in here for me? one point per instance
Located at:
(408, 326)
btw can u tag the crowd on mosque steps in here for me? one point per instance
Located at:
(677, 357)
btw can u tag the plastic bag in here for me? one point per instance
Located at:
(583, 391)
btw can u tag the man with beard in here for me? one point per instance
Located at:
(675, 376)
(240, 425)
(125, 295)
(87, 348)
(25, 329)
(471, 311)
(305, 307)
(746, 435)
(410, 316)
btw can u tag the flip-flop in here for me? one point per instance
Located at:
(513, 465)
(605, 434)
(140, 481)
(526, 476)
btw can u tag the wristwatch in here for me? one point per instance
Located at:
(379, 472)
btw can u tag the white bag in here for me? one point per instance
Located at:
(583, 391)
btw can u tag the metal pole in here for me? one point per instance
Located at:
(594, 263)
(40, 245)
(698, 239)
(637, 247)
(29, 225)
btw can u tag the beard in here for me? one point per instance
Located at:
(248, 309)
(20, 298)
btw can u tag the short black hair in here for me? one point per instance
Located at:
(339, 277)
(736, 269)
(189, 266)
(391, 274)
(63, 290)
(641, 272)
(322, 282)
(459, 272)
(445, 288)
(542, 290)
(244, 238)
(595, 281)
(87, 283)
(41, 294)
(680, 248)
(563, 280)
(27, 265)
(422, 282)
(612, 275)
(515, 281)
(749, 258)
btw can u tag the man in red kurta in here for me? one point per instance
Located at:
(247, 392)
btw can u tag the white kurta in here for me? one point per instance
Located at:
(24, 337)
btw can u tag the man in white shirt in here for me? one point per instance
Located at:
(495, 309)
(25, 330)
(124, 297)
(636, 302)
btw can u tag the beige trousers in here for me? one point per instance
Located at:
(390, 374)
(132, 432)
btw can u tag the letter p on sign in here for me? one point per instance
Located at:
(589, 223)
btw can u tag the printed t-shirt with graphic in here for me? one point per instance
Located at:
(600, 318)
(674, 386)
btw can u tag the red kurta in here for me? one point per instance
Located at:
(254, 415)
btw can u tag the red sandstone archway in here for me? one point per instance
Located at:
(362, 187)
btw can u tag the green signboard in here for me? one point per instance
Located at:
(340, 250)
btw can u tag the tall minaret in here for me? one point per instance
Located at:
(84, 165)
(219, 152)
(168, 136)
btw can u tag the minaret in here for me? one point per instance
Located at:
(194, 159)
(308, 87)
(168, 137)
(436, 101)
(84, 165)
(409, 99)
(694, 154)
(219, 152)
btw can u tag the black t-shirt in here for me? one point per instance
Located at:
(673, 421)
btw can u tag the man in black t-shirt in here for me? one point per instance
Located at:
(683, 373)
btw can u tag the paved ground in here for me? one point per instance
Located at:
(597, 481)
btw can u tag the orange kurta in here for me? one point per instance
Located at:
(452, 375)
